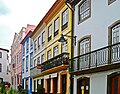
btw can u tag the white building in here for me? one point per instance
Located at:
(96, 25)
(4, 66)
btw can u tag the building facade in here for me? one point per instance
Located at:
(4, 66)
(50, 57)
(16, 56)
(95, 69)
(27, 54)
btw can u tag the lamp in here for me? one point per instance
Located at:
(62, 38)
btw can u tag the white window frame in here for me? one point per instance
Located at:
(55, 51)
(84, 10)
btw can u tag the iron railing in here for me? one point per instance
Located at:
(97, 58)
(55, 62)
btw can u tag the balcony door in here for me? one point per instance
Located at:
(84, 47)
(115, 85)
(64, 83)
(55, 85)
(115, 39)
(83, 86)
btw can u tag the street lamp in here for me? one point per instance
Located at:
(62, 38)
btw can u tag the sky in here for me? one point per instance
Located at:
(15, 14)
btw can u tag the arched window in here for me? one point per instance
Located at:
(0, 67)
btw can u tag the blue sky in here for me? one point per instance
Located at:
(15, 14)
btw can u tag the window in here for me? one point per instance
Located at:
(84, 47)
(17, 58)
(31, 44)
(43, 38)
(27, 46)
(64, 47)
(27, 64)
(49, 32)
(115, 34)
(39, 42)
(64, 19)
(111, 1)
(23, 62)
(42, 58)
(34, 62)
(56, 26)
(55, 51)
(0, 54)
(23, 49)
(0, 67)
(49, 54)
(84, 10)
(83, 86)
(38, 60)
(31, 59)
(35, 45)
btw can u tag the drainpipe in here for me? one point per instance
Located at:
(67, 2)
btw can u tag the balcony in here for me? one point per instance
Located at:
(103, 59)
(58, 61)
(34, 71)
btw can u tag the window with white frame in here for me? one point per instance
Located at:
(64, 47)
(84, 46)
(27, 46)
(49, 32)
(35, 45)
(43, 38)
(27, 64)
(84, 10)
(49, 54)
(38, 60)
(0, 54)
(31, 44)
(31, 59)
(34, 62)
(116, 34)
(55, 51)
(115, 39)
(23, 62)
(0, 67)
(23, 49)
(42, 58)
(64, 19)
(56, 26)
(39, 42)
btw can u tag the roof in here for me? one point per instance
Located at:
(28, 34)
(4, 49)
(47, 14)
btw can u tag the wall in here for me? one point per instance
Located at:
(102, 16)
(5, 63)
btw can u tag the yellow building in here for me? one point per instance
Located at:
(50, 59)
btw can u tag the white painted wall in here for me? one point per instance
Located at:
(5, 63)
(98, 81)
(102, 16)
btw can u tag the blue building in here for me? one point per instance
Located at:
(27, 54)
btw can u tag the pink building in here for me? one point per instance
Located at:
(16, 56)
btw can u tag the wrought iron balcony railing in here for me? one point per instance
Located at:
(101, 57)
(61, 59)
